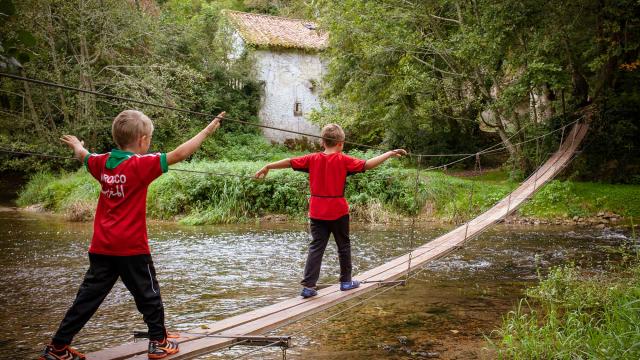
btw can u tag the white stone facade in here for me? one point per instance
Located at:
(286, 57)
(291, 83)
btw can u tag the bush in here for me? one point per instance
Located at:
(231, 146)
(61, 192)
(375, 195)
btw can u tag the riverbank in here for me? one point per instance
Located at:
(575, 311)
(385, 195)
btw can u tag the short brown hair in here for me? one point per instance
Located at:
(332, 134)
(130, 125)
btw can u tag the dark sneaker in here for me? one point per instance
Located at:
(349, 285)
(65, 353)
(308, 292)
(160, 349)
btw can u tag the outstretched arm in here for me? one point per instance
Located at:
(79, 152)
(282, 164)
(374, 162)
(190, 146)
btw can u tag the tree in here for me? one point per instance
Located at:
(171, 55)
(450, 67)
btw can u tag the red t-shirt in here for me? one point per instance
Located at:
(120, 226)
(327, 179)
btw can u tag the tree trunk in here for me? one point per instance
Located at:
(88, 101)
(49, 116)
(56, 66)
(32, 109)
(513, 151)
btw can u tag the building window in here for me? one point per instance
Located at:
(297, 109)
(312, 85)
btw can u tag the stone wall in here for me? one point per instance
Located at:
(289, 77)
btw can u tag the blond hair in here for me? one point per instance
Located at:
(129, 126)
(332, 134)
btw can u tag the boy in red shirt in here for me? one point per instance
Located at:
(328, 209)
(119, 247)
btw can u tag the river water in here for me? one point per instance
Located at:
(212, 272)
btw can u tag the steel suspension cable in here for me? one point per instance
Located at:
(10, 151)
(231, 119)
(488, 150)
(198, 113)
(324, 320)
(491, 149)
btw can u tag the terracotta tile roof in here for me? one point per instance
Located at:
(275, 31)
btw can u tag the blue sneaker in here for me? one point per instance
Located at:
(349, 285)
(308, 292)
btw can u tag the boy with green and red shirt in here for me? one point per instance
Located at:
(328, 209)
(119, 247)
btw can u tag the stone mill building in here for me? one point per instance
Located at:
(286, 54)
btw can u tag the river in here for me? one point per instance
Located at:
(212, 272)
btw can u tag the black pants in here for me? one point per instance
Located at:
(137, 274)
(320, 232)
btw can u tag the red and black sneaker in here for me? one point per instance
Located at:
(64, 353)
(160, 349)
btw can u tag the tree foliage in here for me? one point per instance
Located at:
(172, 54)
(429, 74)
(443, 76)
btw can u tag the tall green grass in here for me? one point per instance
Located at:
(73, 194)
(377, 195)
(568, 199)
(570, 316)
(205, 199)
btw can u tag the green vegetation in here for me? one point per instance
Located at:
(433, 77)
(199, 198)
(570, 315)
(172, 53)
(566, 199)
(569, 199)
(427, 74)
(376, 196)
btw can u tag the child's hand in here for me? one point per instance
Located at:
(262, 173)
(190, 146)
(72, 141)
(398, 152)
(79, 152)
(215, 123)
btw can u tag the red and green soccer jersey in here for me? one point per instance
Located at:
(120, 226)
(327, 179)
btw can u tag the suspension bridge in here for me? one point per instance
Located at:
(251, 328)
(248, 326)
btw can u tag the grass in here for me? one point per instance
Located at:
(379, 195)
(569, 199)
(565, 199)
(571, 316)
(202, 199)
(73, 194)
